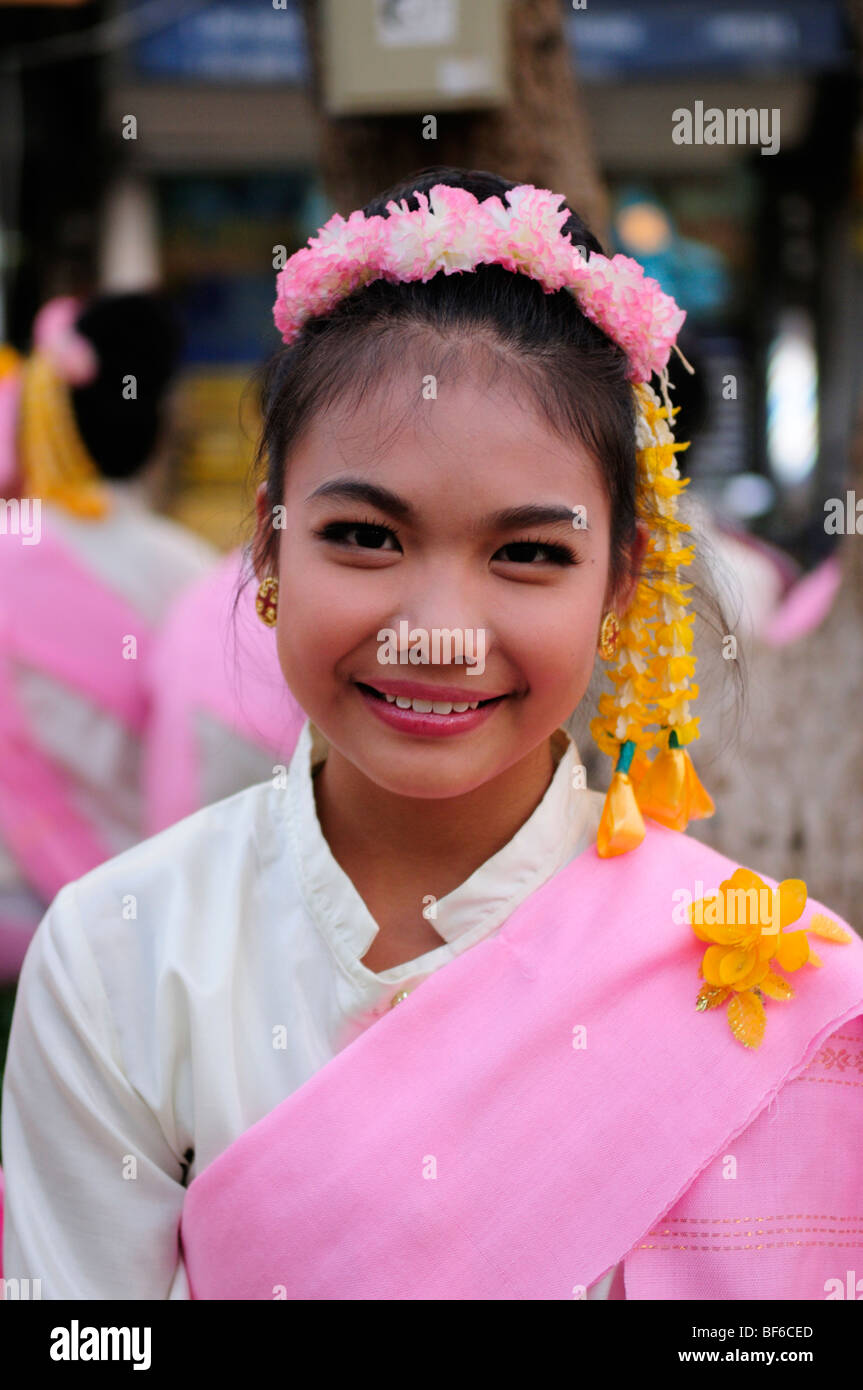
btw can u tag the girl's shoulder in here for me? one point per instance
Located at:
(676, 888)
(175, 894)
(189, 844)
(690, 869)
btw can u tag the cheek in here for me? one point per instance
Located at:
(554, 639)
(560, 658)
(324, 614)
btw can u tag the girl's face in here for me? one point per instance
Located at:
(400, 515)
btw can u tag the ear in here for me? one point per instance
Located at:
(262, 529)
(623, 595)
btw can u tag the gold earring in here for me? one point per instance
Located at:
(267, 601)
(609, 635)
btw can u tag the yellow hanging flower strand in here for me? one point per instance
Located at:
(670, 791)
(650, 704)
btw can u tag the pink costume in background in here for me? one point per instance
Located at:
(79, 642)
(64, 619)
(806, 605)
(221, 713)
(534, 1165)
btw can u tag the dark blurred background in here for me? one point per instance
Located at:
(229, 153)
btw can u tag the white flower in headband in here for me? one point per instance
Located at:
(452, 231)
(444, 234)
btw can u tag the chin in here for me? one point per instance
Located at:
(430, 771)
(431, 789)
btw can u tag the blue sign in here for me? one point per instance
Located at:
(620, 38)
(261, 41)
(225, 41)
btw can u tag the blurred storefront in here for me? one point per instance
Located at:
(755, 245)
(225, 154)
(750, 238)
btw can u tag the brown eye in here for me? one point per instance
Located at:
(523, 552)
(371, 535)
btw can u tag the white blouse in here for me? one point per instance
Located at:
(144, 1036)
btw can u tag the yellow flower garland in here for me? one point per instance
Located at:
(650, 703)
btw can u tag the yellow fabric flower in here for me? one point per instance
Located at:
(670, 791)
(745, 922)
(621, 827)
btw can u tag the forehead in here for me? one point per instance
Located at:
(456, 437)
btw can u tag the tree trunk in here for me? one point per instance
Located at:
(541, 137)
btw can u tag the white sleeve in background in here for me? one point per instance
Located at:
(94, 1192)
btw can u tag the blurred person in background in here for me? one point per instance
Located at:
(221, 716)
(87, 571)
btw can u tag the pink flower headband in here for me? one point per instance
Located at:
(453, 231)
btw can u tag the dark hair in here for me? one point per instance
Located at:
(574, 373)
(134, 335)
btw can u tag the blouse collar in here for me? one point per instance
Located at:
(560, 827)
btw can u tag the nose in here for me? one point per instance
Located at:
(442, 605)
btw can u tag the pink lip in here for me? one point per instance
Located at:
(415, 690)
(428, 725)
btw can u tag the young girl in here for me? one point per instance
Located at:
(421, 1018)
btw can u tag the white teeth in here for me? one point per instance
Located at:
(429, 706)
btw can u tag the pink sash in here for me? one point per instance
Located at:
(468, 1146)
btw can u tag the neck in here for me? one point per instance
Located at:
(374, 833)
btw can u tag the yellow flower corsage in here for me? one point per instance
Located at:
(745, 923)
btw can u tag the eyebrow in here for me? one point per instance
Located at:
(510, 519)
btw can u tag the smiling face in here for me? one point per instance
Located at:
(386, 526)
